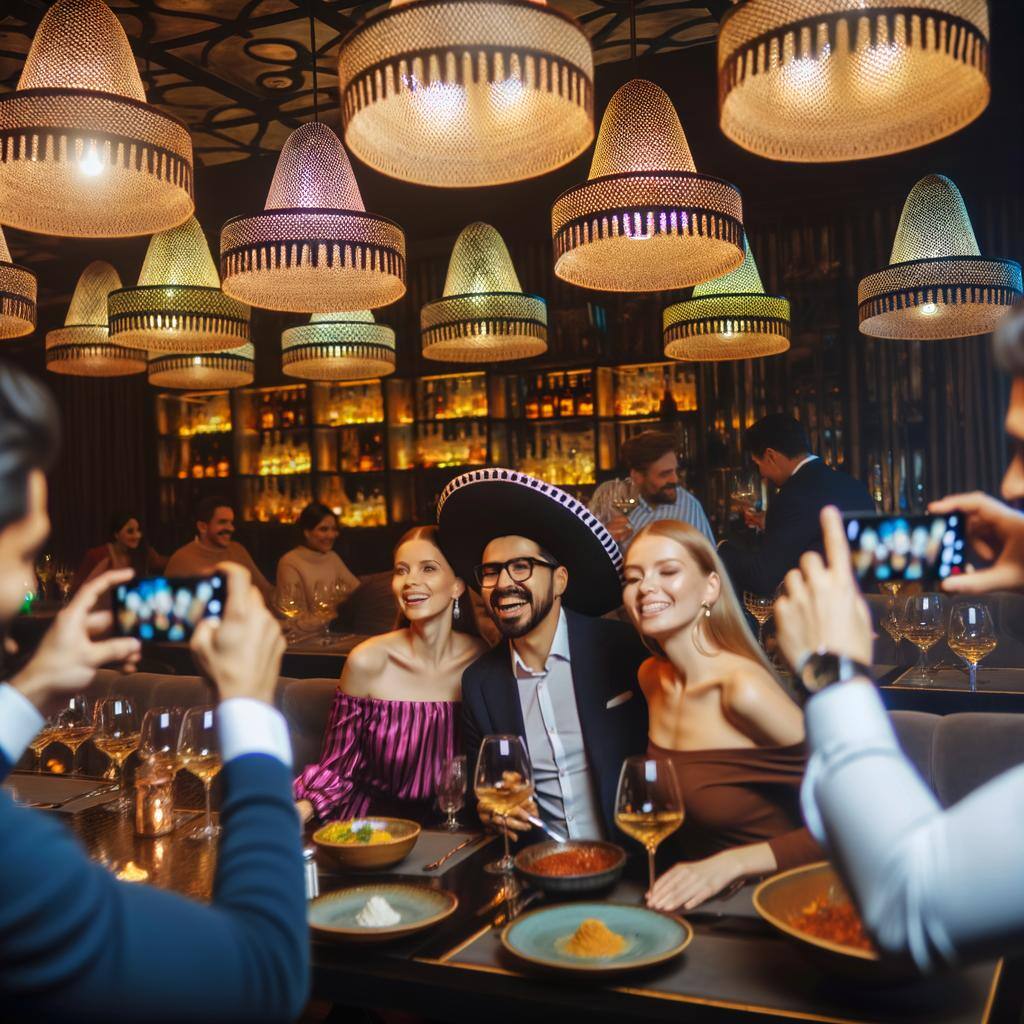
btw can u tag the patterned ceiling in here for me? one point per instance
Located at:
(238, 72)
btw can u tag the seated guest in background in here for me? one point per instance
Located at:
(314, 562)
(124, 550)
(564, 681)
(653, 466)
(719, 714)
(394, 722)
(75, 943)
(779, 446)
(215, 526)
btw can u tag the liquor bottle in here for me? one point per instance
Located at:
(441, 410)
(668, 408)
(223, 466)
(531, 407)
(585, 402)
(566, 400)
(547, 400)
(268, 418)
(210, 469)
(197, 468)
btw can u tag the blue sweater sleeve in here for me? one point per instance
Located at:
(75, 941)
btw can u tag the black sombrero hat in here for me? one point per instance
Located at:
(487, 503)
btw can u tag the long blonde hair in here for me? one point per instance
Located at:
(726, 628)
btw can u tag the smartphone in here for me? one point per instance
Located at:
(905, 547)
(167, 607)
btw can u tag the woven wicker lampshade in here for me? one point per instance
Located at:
(209, 371)
(462, 93)
(81, 151)
(728, 318)
(484, 316)
(645, 220)
(314, 247)
(821, 80)
(178, 305)
(338, 346)
(937, 284)
(82, 347)
(17, 296)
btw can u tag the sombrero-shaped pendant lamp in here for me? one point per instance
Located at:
(82, 347)
(828, 80)
(728, 318)
(211, 371)
(645, 220)
(81, 151)
(937, 284)
(314, 247)
(178, 305)
(462, 93)
(484, 316)
(338, 346)
(17, 296)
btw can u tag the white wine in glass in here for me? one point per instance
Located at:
(117, 735)
(502, 782)
(76, 723)
(972, 635)
(199, 753)
(760, 606)
(42, 739)
(161, 727)
(924, 626)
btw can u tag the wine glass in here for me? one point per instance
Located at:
(624, 496)
(972, 635)
(324, 608)
(648, 807)
(44, 570)
(199, 753)
(451, 790)
(890, 587)
(923, 626)
(41, 740)
(760, 606)
(891, 621)
(65, 577)
(503, 781)
(117, 735)
(161, 727)
(75, 724)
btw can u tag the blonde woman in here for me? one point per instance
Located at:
(720, 715)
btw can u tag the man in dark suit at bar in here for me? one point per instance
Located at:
(75, 943)
(781, 450)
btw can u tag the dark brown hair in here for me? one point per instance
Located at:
(466, 622)
(640, 450)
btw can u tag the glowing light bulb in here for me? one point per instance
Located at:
(91, 164)
(929, 309)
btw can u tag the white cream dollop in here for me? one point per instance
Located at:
(377, 913)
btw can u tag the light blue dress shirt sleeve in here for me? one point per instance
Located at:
(19, 722)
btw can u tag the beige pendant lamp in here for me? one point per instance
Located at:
(728, 318)
(17, 296)
(463, 93)
(81, 151)
(338, 346)
(645, 220)
(82, 347)
(210, 371)
(937, 284)
(178, 305)
(822, 80)
(484, 316)
(314, 248)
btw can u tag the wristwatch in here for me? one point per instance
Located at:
(822, 668)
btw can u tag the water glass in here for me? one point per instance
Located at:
(451, 790)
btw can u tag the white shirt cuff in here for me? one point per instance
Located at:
(20, 720)
(253, 727)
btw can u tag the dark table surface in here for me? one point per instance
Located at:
(946, 690)
(735, 968)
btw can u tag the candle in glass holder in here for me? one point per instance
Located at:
(154, 800)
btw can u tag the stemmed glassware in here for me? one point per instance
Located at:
(41, 740)
(624, 496)
(451, 790)
(45, 571)
(648, 807)
(75, 724)
(324, 608)
(287, 599)
(891, 621)
(972, 635)
(117, 735)
(924, 626)
(65, 577)
(760, 606)
(199, 753)
(502, 782)
(158, 744)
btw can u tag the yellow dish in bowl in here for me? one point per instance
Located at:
(367, 844)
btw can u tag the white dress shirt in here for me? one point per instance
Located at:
(554, 738)
(939, 884)
(803, 462)
(246, 727)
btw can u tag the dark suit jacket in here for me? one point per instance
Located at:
(77, 944)
(605, 658)
(792, 526)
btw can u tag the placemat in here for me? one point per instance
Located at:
(70, 793)
(431, 845)
(990, 680)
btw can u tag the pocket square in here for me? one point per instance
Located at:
(620, 699)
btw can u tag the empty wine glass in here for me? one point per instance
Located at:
(624, 496)
(924, 626)
(76, 723)
(451, 790)
(972, 635)
(760, 606)
(199, 753)
(891, 620)
(502, 782)
(158, 744)
(324, 608)
(117, 735)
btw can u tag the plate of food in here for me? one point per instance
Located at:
(378, 913)
(367, 844)
(595, 938)
(566, 869)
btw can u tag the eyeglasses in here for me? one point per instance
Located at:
(518, 569)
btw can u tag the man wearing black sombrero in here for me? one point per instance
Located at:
(563, 679)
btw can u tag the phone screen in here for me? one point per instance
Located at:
(167, 607)
(912, 547)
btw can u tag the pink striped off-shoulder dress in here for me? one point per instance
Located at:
(380, 757)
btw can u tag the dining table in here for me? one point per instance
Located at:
(737, 967)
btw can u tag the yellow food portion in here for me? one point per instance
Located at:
(380, 837)
(364, 835)
(594, 938)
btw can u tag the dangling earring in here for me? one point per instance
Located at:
(707, 609)
(456, 613)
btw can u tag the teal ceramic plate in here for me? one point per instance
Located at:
(333, 916)
(540, 937)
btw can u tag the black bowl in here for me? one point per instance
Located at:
(570, 885)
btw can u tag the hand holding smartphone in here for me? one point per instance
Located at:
(905, 547)
(154, 608)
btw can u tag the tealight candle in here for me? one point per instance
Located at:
(154, 800)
